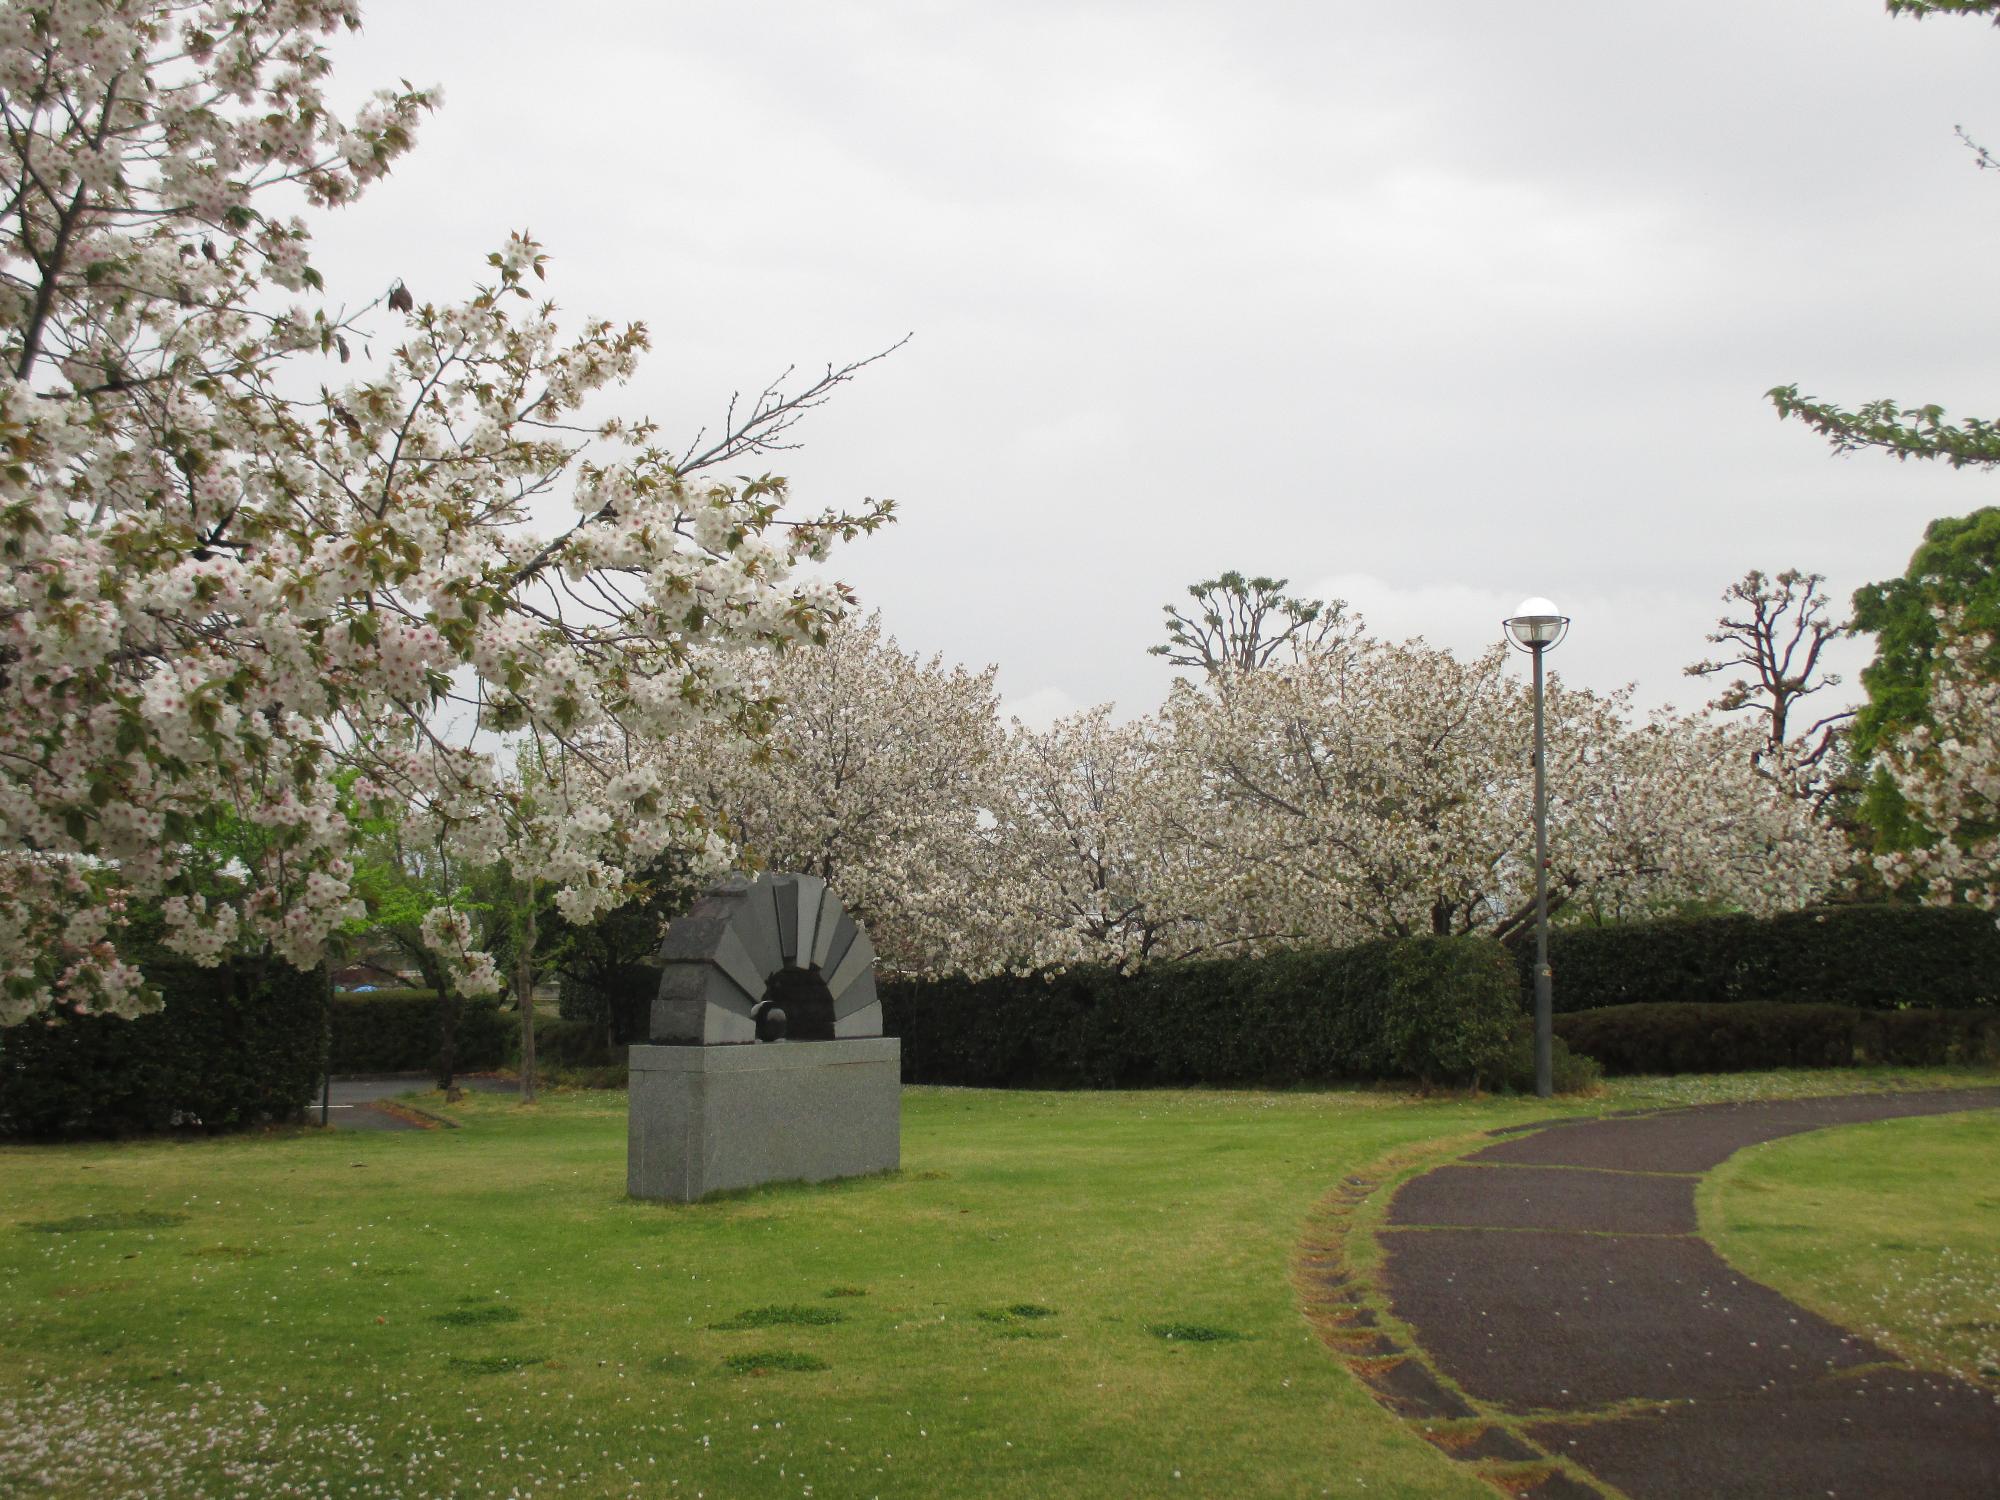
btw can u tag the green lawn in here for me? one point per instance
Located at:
(482, 1311)
(1891, 1228)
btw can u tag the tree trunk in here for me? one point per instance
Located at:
(524, 984)
(450, 1007)
(326, 1045)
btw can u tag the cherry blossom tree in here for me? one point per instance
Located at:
(1081, 821)
(1947, 772)
(880, 776)
(1386, 790)
(248, 552)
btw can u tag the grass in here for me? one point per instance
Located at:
(1890, 1228)
(1193, 1333)
(770, 1361)
(781, 1317)
(258, 1314)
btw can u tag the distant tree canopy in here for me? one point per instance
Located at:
(1239, 624)
(1774, 632)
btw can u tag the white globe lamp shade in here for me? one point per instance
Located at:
(1536, 623)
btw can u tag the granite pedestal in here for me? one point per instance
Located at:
(705, 1119)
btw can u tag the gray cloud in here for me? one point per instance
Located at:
(1469, 301)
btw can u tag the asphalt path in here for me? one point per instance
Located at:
(354, 1101)
(1557, 1276)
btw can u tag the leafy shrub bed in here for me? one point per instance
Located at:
(1690, 1038)
(398, 1031)
(234, 1046)
(1872, 957)
(1444, 1009)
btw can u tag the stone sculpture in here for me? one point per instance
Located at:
(766, 1061)
(785, 936)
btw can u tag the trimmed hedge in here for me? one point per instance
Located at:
(1871, 957)
(1435, 1008)
(566, 1044)
(397, 1031)
(1734, 1037)
(234, 1046)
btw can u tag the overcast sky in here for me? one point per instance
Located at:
(1427, 306)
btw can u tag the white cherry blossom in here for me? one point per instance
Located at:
(226, 598)
(1948, 772)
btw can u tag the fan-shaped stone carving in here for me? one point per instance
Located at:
(779, 937)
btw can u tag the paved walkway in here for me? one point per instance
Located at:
(355, 1101)
(1558, 1276)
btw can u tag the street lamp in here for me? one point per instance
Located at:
(1538, 626)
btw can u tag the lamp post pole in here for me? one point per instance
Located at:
(1536, 628)
(1544, 1003)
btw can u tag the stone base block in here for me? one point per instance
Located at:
(704, 1119)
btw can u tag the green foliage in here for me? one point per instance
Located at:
(606, 970)
(399, 1031)
(1957, 565)
(1692, 1038)
(1905, 431)
(1240, 623)
(235, 1046)
(568, 1044)
(1930, 1038)
(1453, 1006)
(1899, 681)
(1513, 1070)
(1918, 9)
(1423, 1007)
(1874, 957)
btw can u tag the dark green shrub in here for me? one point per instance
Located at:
(399, 1031)
(234, 1046)
(564, 1044)
(1931, 1038)
(388, 992)
(1513, 1070)
(1873, 957)
(1453, 1005)
(1772, 1034)
(1302, 1016)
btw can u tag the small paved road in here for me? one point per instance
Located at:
(353, 1101)
(1558, 1276)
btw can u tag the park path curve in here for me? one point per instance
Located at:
(1558, 1276)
